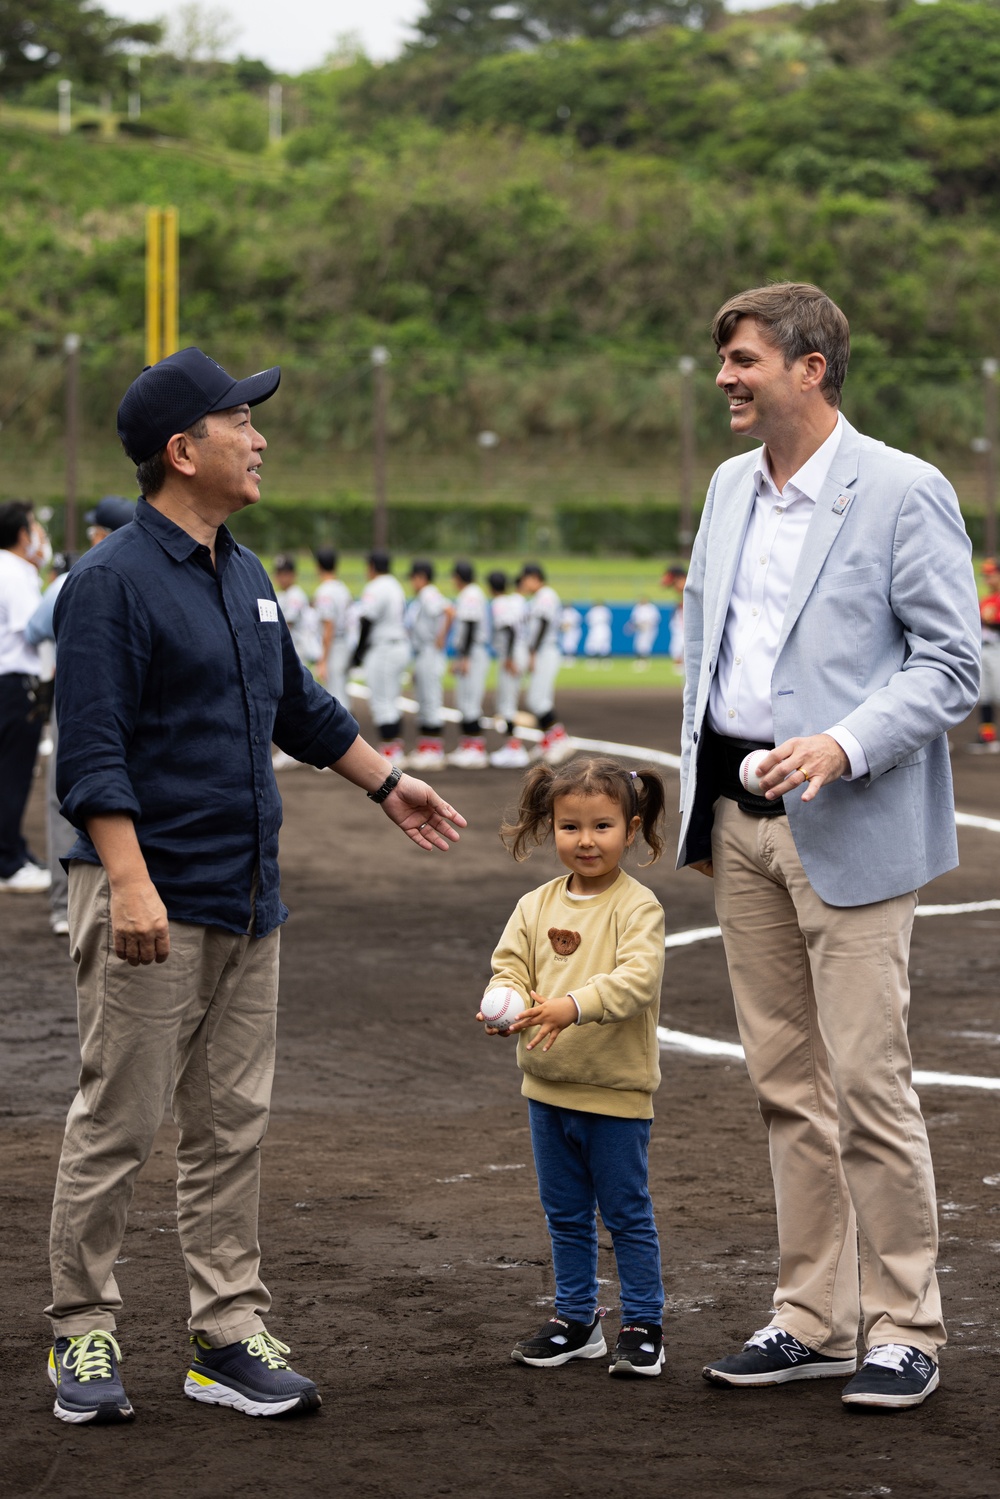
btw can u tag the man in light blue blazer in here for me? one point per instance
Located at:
(831, 620)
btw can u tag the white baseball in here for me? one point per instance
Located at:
(500, 1007)
(748, 772)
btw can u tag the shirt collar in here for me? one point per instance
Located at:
(173, 539)
(811, 477)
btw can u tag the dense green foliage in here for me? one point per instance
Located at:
(37, 37)
(535, 234)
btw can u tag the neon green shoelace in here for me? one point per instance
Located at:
(267, 1349)
(89, 1356)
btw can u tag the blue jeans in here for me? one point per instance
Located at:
(590, 1161)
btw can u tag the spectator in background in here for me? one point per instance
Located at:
(331, 606)
(23, 547)
(644, 626)
(428, 617)
(507, 613)
(470, 666)
(109, 514)
(598, 642)
(676, 578)
(989, 690)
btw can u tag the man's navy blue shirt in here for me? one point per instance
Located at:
(174, 678)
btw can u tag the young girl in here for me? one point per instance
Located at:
(586, 952)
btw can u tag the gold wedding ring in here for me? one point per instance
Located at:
(803, 774)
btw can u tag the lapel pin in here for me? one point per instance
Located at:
(841, 503)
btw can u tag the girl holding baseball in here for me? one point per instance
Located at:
(585, 954)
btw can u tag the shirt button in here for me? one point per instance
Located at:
(256, 739)
(755, 611)
(764, 558)
(738, 661)
(732, 713)
(780, 509)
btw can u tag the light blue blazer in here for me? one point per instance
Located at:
(881, 634)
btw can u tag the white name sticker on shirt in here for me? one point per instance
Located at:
(268, 611)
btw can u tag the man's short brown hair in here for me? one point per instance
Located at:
(800, 319)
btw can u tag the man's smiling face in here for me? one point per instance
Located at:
(764, 393)
(229, 458)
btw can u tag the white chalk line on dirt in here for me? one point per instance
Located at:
(704, 1045)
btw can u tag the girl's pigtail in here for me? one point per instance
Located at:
(651, 795)
(534, 813)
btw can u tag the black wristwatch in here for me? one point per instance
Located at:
(390, 783)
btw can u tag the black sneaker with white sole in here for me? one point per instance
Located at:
(560, 1340)
(892, 1377)
(252, 1377)
(639, 1349)
(773, 1356)
(84, 1370)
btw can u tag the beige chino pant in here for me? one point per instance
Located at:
(822, 997)
(196, 1032)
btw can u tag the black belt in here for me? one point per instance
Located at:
(720, 762)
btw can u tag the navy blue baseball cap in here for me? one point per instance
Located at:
(171, 396)
(112, 512)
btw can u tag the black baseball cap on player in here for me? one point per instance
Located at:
(171, 396)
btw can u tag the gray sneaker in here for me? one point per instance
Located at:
(84, 1371)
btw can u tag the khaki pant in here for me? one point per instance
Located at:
(822, 997)
(197, 1030)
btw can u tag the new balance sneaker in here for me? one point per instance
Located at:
(251, 1376)
(470, 755)
(393, 751)
(28, 880)
(557, 746)
(773, 1356)
(892, 1376)
(639, 1349)
(510, 756)
(428, 755)
(84, 1371)
(560, 1340)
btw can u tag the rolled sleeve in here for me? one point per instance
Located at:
(103, 641)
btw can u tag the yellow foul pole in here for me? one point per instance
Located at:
(171, 295)
(154, 286)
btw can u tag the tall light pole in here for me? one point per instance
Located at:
(134, 97)
(65, 106)
(686, 365)
(380, 357)
(487, 442)
(274, 112)
(71, 347)
(990, 434)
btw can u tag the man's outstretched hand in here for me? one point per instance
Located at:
(423, 816)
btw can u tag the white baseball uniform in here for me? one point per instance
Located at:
(424, 616)
(387, 654)
(472, 619)
(644, 622)
(331, 601)
(598, 622)
(300, 618)
(544, 608)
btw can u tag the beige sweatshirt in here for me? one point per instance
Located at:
(608, 953)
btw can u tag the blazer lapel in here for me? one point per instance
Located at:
(735, 510)
(832, 509)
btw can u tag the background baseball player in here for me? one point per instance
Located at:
(384, 651)
(428, 619)
(508, 612)
(545, 658)
(469, 667)
(331, 603)
(989, 690)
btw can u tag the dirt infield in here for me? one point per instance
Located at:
(403, 1241)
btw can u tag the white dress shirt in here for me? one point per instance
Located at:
(739, 704)
(20, 596)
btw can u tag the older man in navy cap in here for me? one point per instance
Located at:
(176, 673)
